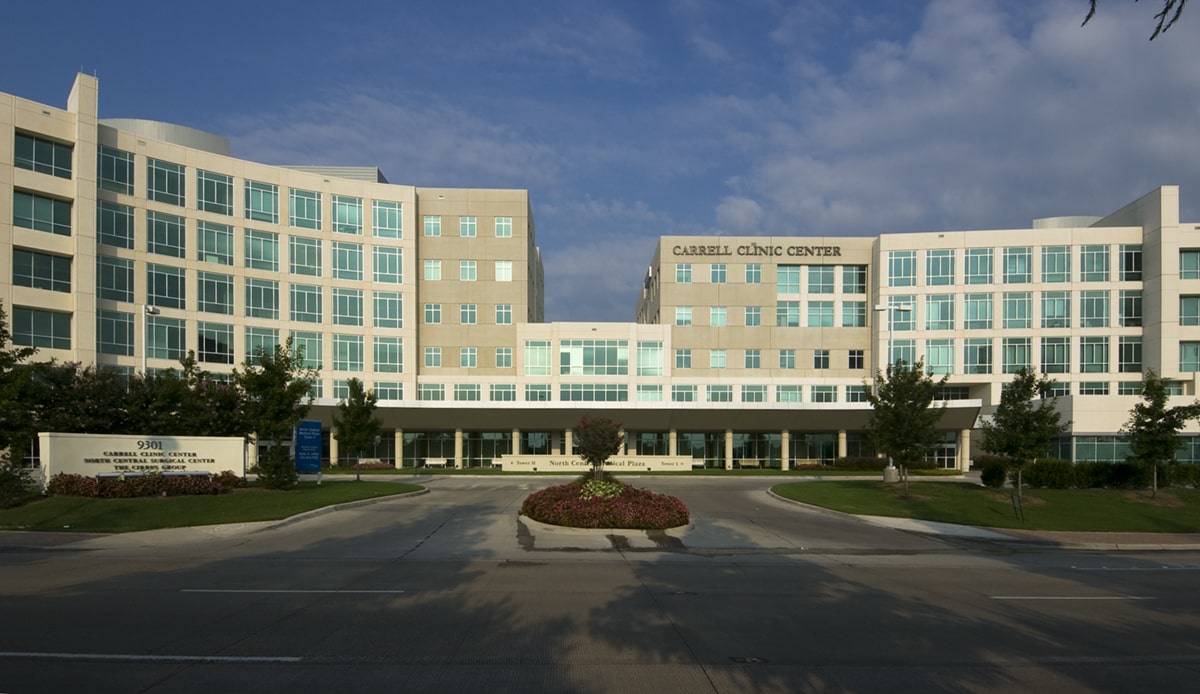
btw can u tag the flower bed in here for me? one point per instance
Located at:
(142, 485)
(586, 503)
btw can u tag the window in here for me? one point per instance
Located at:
(939, 267)
(939, 312)
(466, 227)
(432, 225)
(753, 273)
(1056, 264)
(44, 271)
(856, 393)
(977, 312)
(347, 261)
(431, 391)
(214, 192)
(537, 358)
(304, 209)
(649, 394)
(1093, 309)
(683, 358)
(467, 314)
(387, 219)
(433, 314)
(683, 273)
(164, 182)
(754, 393)
(262, 202)
(1129, 354)
(466, 270)
(115, 169)
(503, 227)
(1056, 355)
(593, 357)
(166, 338)
(261, 340)
(824, 393)
(854, 279)
(1131, 262)
(1015, 354)
(1056, 309)
(977, 356)
(854, 314)
(717, 273)
(1017, 265)
(347, 306)
(594, 392)
(306, 303)
(716, 358)
(114, 224)
(1093, 354)
(820, 279)
(718, 393)
(166, 234)
(262, 298)
(790, 393)
(214, 243)
(504, 357)
(41, 213)
(753, 358)
(820, 314)
(979, 266)
(1093, 388)
(503, 392)
(262, 250)
(432, 270)
(433, 357)
(787, 358)
(787, 314)
(683, 315)
(33, 327)
(468, 357)
(650, 358)
(1130, 307)
(389, 265)
(1189, 310)
(114, 278)
(389, 390)
(717, 316)
(537, 392)
(1017, 310)
(311, 347)
(787, 279)
(214, 343)
(1189, 357)
(114, 333)
(683, 393)
(215, 292)
(347, 214)
(504, 271)
(753, 316)
(1093, 263)
(165, 286)
(902, 313)
(1058, 390)
(855, 359)
(820, 359)
(304, 256)
(347, 353)
(388, 310)
(504, 314)
(902, 268)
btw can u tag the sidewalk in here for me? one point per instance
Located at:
(1051, 538)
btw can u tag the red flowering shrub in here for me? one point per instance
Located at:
(631, 509)
(142, 485)
(73, 485)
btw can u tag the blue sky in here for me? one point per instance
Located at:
(631, 120)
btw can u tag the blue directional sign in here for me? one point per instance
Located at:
(308, 446)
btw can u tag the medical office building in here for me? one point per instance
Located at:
(128, 243)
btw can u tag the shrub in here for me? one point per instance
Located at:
(73, 485)
(856, 463)
(230, 480)
(15, 482)
(1112, 475)
(1179, 475)
(567, 505)
(993, 473)
(1052, 473)
(276, 470)
(140, 485)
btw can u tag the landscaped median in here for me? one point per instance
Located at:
(246, 505)
(1173, 510)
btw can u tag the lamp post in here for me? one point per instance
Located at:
(147, 311)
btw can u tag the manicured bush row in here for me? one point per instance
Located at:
(632, 508)
(993, 473)
(143, 485)
(1054, 473)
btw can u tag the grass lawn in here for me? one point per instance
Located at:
(1098, 510)
(84, 514)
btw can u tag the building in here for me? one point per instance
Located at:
(131, 242)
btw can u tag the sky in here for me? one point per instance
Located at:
(632, 119)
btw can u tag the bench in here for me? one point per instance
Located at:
(750, 463)
(448, 462)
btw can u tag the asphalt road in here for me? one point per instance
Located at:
(450, 592)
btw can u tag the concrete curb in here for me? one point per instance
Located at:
(316, 512)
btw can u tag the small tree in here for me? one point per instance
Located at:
(276, 387)
(356, 423)
(14, 415)
(1020, 430)
(1153, 428)
(904, 419)
(598, 440)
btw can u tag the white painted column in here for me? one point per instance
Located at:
(398, 437)
(841, 444)
(568, 442)
(672, 443)
(729, 449)
(333, 450)
(458, 448)
(516, 444)
(964, 449)
(785, 444)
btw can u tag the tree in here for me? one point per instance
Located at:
(1153, 428)
(1171, 8)
(598, 440)
(1018, 429)
(276, 389)
(903, 419)
(356, 423)
(13, 414)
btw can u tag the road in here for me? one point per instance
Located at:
(450, 592)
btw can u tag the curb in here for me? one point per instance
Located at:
(316, 512)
